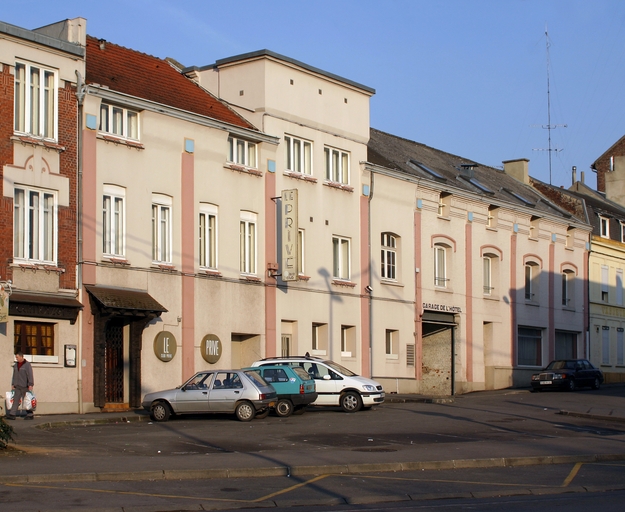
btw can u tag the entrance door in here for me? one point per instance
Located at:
(436, 363)
(114, 363)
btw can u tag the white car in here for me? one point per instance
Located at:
(336, 385)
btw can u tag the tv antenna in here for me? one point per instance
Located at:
(549, 126)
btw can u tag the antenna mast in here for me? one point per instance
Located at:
(549, 126)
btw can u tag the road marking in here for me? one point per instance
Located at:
(440, 480)
(292, 488)
(572, 474)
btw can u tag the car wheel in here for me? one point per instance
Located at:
(596, 384)
(245, 411)
(160, 411)
(351, 402)
(262, 414)
(284, 408)
(571, 385)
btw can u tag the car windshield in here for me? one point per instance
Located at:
(561, 365)
(256, 378)
(340, 369)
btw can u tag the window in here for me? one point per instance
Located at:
(113, 220)
(34, 225)
(348, 341)
(392, 344)
(568, 280)
(604, 283)
(161, 228)
(34, 338)
(242, 152)
(440, 266)
(529, 347)
(534, 227)
(341, 257)
(389, 257)
(566, 345)
(247, 235)
(487, 275)
(620, 353)
(622, 224)
(444, 205)
(319, 339)
(605, 344)
(604, 227)
(337, 165)
(532, 273)
(119, 121)
(298, 155)
(35, 101)
(619, 286)
(286, 345)
(208, 236)
(493, 217)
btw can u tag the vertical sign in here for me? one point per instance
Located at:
(290, 247)
(4, 305)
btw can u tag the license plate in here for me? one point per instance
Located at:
(543, 382)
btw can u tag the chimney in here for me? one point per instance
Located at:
(582, 177)
(518, 169)
(574, 175)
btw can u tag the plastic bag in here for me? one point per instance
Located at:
(29, 402)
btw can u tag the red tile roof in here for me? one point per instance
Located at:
(144, 76)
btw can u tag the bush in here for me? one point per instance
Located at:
(6, 433)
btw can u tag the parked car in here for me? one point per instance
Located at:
(295, 388)
(243, 393)
(568, 374)
(336, 385)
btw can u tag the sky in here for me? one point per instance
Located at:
(482, 79)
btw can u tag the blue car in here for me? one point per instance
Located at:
(294, 387)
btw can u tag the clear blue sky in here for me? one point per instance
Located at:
(465, 76)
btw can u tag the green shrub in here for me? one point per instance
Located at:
(6, 433)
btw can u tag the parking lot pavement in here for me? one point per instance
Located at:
(484, 429)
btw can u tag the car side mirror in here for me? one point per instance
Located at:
(326, 377)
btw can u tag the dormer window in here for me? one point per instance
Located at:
(119, 121)
(604, 227)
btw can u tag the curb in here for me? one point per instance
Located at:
(617, 419)
(276, 471)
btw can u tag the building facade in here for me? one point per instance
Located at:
(39, 71)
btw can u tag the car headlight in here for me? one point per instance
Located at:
(367, 387)
(558, 376)
(536, 377)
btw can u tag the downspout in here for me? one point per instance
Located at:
(80, 96)
(370, 290)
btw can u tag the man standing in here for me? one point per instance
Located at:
(22, 382)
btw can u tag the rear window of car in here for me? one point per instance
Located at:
(256, 378)
(301, 373)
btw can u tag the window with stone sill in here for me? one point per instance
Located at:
(298, 155)
(242, 152)
(34, 225)
(337, 165)
(119, 121)
(35, 107)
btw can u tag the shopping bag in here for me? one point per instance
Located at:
(29, 403)
(9, 400)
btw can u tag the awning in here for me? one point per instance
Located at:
(40, 305)
(125, 301)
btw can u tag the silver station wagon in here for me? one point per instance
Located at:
(243, 393)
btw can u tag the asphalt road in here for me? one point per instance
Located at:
(482, 448)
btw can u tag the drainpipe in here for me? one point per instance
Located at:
(370, 290)
(80, 96)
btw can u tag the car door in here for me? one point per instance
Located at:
(193, 396)
(226, 390)
(328, 382)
